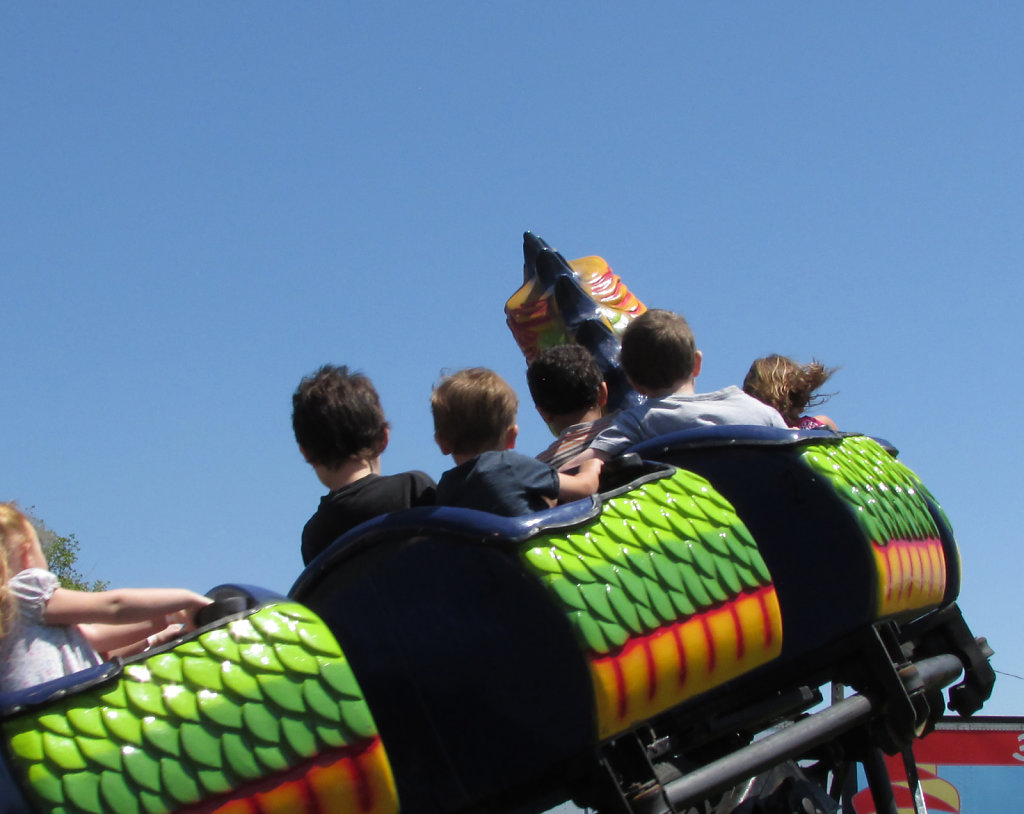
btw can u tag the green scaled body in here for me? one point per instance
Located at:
(888, 499)
(669, 549)
(259, 695)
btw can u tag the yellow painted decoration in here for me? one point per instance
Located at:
(364, 784)
(679, 661)
(618, 303)
(355, 782)
(911, 575)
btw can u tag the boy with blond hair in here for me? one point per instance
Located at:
(475, 422)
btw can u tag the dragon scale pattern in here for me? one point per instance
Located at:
(668, 594)
(262, 714)
(890, 504)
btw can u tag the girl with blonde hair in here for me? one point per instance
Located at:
(47, 631)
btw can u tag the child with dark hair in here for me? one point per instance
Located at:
(475, 422)
(570, 394)
(341, 431)
(661, 360)
(790, 388)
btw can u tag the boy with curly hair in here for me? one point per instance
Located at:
(341, 431)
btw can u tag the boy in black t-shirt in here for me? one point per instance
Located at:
(341, 432)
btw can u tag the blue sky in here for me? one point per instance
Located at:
(204, 202)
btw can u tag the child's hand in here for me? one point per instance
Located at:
(186, 617)
(169, 633)
(182, 619)
(179, 622)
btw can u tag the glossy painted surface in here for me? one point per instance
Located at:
(565, 628)
(890, 504)
(257, 715)
(668, 594)
(533, 313)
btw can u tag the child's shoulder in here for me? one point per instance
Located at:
(416, 476)
(32, 581)
(517, 461)
(32, 589)
(512, 455)
(498, 461)
(375, 487)
(419, 487)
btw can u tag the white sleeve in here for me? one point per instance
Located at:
(33, 588)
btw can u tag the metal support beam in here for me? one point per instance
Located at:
(767, 752)
(805, 734)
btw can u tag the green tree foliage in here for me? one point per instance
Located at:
(62, 558)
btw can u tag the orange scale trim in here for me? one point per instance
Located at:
(652, 673)
(356, 780)
(911, 575)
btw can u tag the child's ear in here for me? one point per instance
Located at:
(698, 359)
(511, 436)
(639, 389)
(25, 555)
(446, 448)
(385, 440)
(602, 395)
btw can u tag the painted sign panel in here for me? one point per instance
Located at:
(971, 766)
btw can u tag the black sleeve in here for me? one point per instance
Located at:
(424, 490)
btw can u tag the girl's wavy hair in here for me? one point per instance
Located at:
(13, 523)
(786, 385)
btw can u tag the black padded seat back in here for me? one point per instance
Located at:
(451, 641)
(816, 552)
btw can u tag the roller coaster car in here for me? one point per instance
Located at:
(629, 651)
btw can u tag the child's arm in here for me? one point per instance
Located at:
(587, 455)
(127, 640)
(113, 619)
(583, 484)
(828, 422)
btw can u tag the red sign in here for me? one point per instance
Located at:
(973, 766)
